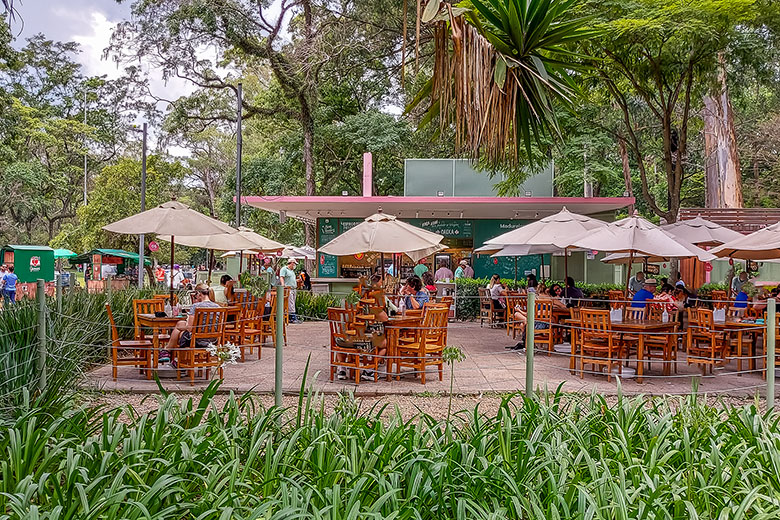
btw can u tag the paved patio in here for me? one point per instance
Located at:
(488, 368)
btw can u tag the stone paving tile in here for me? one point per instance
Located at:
(488, 367)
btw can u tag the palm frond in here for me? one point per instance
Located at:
(500, 71)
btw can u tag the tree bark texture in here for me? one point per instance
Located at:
(626, 173)
(723, 178)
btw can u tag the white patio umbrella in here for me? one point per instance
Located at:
(299, 253)
(701, 232)
(637, 237)
(382, 233)
(171, 218)
(763, 244)
(549, 232)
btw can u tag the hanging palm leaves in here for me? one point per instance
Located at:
(501, 69)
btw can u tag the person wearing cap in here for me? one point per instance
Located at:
(420, 268)
(463, 270)
(647, 292)
(178, 277)
(288, 278)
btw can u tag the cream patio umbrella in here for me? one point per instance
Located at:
(242, 240)
(171, 218)
(763, 244)
(701, 232)
(636, 236)
(382, 233)
(549, 232)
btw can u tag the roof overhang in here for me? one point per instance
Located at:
(309, 208)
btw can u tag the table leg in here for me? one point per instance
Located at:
(753, 350)
(392, 342)
(739, 354)
(573, 360)
(640, 355)
(155, 351)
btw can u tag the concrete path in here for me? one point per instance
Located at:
(488, 368)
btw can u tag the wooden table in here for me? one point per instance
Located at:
(393, 328)
(638, 327)
(736, 325)
(151, 321)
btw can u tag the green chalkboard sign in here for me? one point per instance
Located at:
(486, 266)
(327, 266)
(345, 224)
(446, 227)
(328, 229)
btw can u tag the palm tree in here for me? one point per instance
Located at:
(502, 68)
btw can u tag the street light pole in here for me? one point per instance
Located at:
(143, 208)
(85, 147)
(238, 156)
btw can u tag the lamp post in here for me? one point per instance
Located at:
(238, 154)
(143, 208)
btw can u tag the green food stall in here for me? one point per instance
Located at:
(30, 262)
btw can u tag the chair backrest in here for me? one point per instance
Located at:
(720, 299)
(544, 310)
(575, 313)
(704, 321)
(208, 324)
(634, 313)
(595, 324)
(434, 326)
(617, 299)
(146, 307)
(449, 300)
(484, 298)
(735, 312)
(114, 331)
(339, 321)
(241, 297)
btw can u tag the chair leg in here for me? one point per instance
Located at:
(113, 361)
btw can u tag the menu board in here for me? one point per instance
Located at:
(328, 230)
(446, 227)
(327, 266)
(345, 224)
(485, 229)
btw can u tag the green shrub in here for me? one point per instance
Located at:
(467, 304)
(705, 291)
(311, 305)
(561, 458)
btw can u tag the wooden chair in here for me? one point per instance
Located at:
(576, 316)
(149, 306)
(427, 350)
(544, 315)
(342, 326)
(246, 332)
(720, 300)
(706, 346)
(617, 299)
(663, 347)
(141, 349)
(488, 309)
(268, 323)
(208, 326)
(597, 345)
(513, 326)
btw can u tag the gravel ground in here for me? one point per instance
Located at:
(408, 405)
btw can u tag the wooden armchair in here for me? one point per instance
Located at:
(268, 323)
(427, 349)
(543, 324)
(488, 310)
(662, 346)
(141, 349)
(597, 345)
(706, 346)
(720, 300)
(246, 332)
(149, 306)
(208, 327)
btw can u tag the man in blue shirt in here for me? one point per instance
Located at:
(9, 286)
(647, 292)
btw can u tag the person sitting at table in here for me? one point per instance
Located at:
(636, 283)
(429, 284)
(182, 333)
(531, 283)
(497, 292)
(572, 294)
(666, 295)
(556, 294)
(415, 297)
(647, 292)
(217, 293)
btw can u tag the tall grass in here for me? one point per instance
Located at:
(556, 458)
(77, 338)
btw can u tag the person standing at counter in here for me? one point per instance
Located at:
(420, 268)
(443, 272)
(464, 270)
(287, 278)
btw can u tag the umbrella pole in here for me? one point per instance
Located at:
(541, 269)
(240, 262)
(565, 266)
(211, 265)
(382, 265)
(628, 275)
(515, 269)
(172, 247)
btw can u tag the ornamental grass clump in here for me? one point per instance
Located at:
(560, 457)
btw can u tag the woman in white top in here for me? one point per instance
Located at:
(497, 291)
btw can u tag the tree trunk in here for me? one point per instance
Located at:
(626, 173)
(723, 178)
(308, 162)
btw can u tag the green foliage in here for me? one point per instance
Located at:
(309, 305)
(705, 291)
(551, 458)
(467, 302)
(77, 339)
